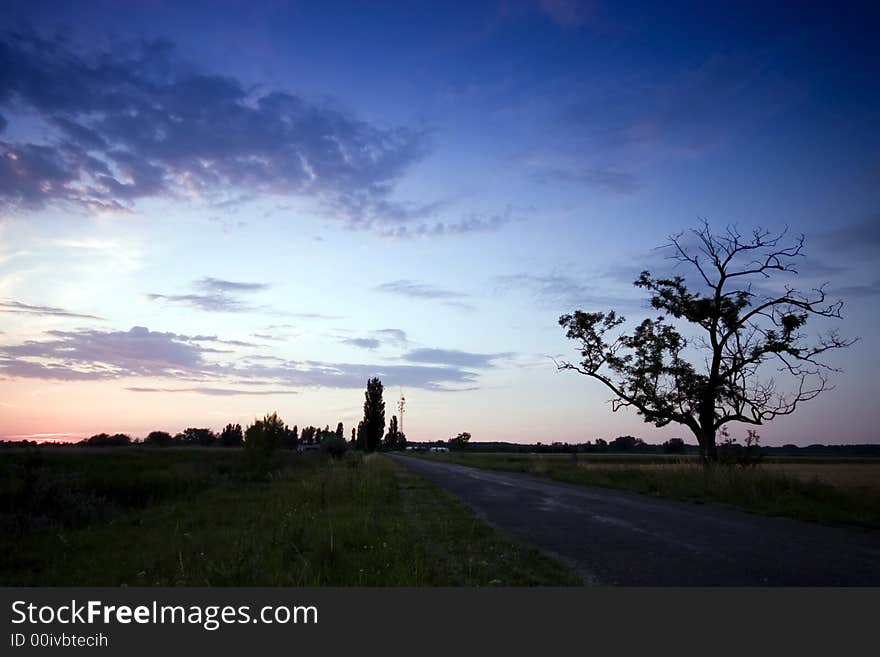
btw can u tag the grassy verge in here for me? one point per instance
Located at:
(765, 490)
(316, 522)
(462, 549)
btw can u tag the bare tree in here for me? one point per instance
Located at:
(746, 339)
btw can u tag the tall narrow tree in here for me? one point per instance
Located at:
(392, 435)
(374, 414)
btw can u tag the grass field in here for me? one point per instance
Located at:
(141, 517)
(836, 491)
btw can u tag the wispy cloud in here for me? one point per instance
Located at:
(45, 311)
(210, 302)
(217, 392)
(561, 292)
(418, 290)
(861, 239)
(142, 123)
(362, 343)
(549, 289)
(454, 358)
(392, 335)
(220, 285)
(93, 354)
(856, 291)
(218, 295)
(355, 375)
(621, 182)
(102, 355)
(473, 223)
(388, 337)
(214, 338)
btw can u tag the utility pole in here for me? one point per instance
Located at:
(401, 404)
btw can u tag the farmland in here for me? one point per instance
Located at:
(834, 491)
(142, 516)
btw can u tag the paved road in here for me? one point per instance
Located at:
(614, 537)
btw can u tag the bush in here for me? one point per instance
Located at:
(159, 439)
(231, 436)
(674, 446)
(261, 442)
(749, 455)
(335, 446)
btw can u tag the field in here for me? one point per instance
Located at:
(138, 516)
(835, 491)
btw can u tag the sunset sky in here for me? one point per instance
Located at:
(210, 211)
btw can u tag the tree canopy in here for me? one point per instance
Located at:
(749, 360)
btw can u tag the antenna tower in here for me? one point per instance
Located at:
(401, 409)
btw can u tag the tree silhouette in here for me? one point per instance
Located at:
(195, 436)
(460, 441)
(261, 441)
(742, 333)
(625, 443)
(391, 437)
(674, 446)
(231, 436)
(374, 414)
(159, 439)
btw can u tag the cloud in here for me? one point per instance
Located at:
(105, 355)
(43, 311)
(551, 289)
(474, 223)
(418, 290)
(355, 375)
(138, 122)
(313, 316)
(560, 292)
(219, 295)
(392, 335)
(219, 392)
(862, 239)
(857, 291)
(362, 343)
(210, 302)
(92, 354)
(454, 358)
(389, 336)
(612, 130)
(219, 285)
(214, 338)
(269, 336)
(619, 182)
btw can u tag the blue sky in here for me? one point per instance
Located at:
(209, 211)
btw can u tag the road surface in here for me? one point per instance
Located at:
(611, 537)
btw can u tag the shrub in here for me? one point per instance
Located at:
(335, 446)
(261, 442)
(674, 446)
(159, 439)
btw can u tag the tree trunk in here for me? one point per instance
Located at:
(708, 448)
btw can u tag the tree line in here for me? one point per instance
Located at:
(369, 435)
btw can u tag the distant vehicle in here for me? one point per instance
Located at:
(439, 449)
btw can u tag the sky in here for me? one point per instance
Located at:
(211, 211)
